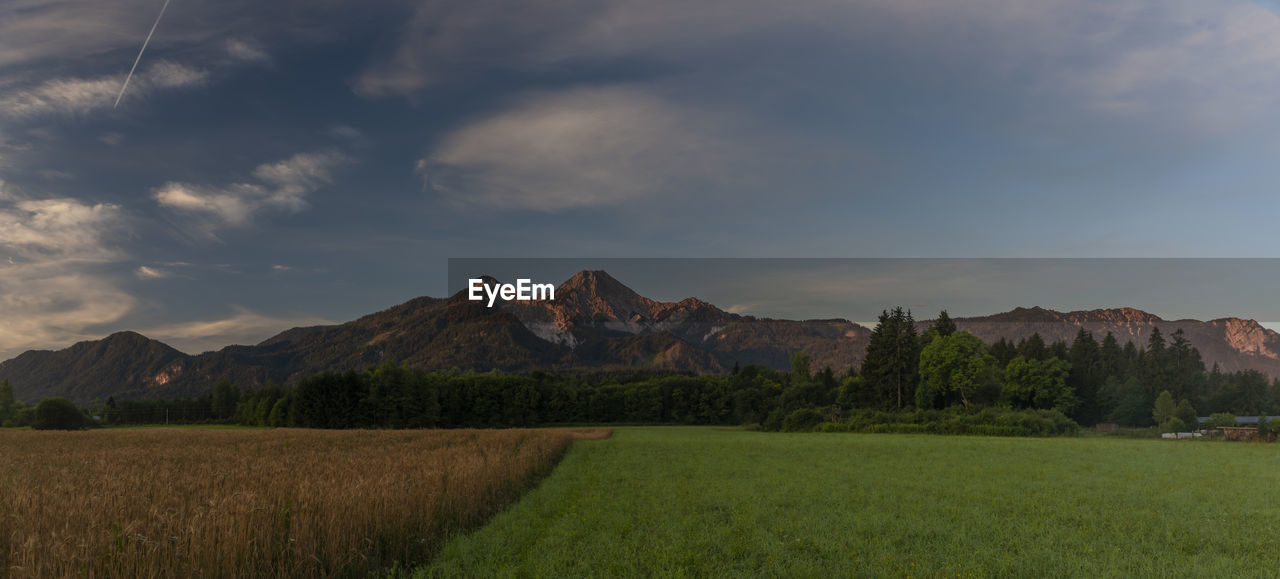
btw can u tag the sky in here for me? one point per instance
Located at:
(293, 163)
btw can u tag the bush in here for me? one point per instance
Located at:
(802, 420)
(988, 422)
(1265, 428)
(57, 414)
(773, 422)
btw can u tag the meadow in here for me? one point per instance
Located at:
(726, 502)
(253, 503)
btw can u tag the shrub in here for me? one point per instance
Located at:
(1265, 428)
(57, 414)
(988, 422)
(773, 422)
(802, 420)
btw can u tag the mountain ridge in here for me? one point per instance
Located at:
(595, 322)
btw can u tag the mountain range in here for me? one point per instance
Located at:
(595, 323)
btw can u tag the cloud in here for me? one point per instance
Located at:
(48, 306)
(283, 186)
(36, 31)
(112, 139)
(53, 175)
(1202, 67)
(232, 205)
(348, 133)
(296, 176)
(59, 228)
(443, 39)
(166, 74)
(79, 96)
(147, 272)
(1214, 65)
(247, 51)
(580, 148)
(243, 326)
(54, 283)
(66, 96)
(40, 32)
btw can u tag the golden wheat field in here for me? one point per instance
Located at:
(207, 503)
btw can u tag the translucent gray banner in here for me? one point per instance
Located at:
(858, 289)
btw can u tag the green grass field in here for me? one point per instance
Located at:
(723, 502)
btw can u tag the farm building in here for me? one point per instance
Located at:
(1243, 420)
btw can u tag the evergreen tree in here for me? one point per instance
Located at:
(1129, 362)
(1004, 351)
(1086, 377)
(944, 325)
(226, 396)
(1059, 350)
(1110, 358)
(1264, 428)
(1249, 394)
(1133, 404)
(1154, 362)
(1033, 348)
(891, 365)
(111, 412)
(1185, 369)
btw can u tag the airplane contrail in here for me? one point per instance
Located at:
(144, 48)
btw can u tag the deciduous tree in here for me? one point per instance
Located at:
(57, 414)
(1164, 408)
(1031, 383)
(954, 367)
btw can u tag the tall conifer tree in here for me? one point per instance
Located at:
(891, 366)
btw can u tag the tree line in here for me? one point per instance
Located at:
(1088, 380)
(940, 380)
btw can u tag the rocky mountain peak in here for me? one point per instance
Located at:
(596, 283)
(1247, 336)
(596, 293)
(1122, 315)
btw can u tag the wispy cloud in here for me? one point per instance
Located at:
(112, 139)
(79, 96)
(282, 186)
(444, 39)
(247, 51)
(580, 148)
(1205, 66)
(243, 326)
(59, 228)
(54, 285)
(148, 272)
